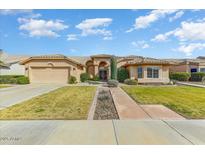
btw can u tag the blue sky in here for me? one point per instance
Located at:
(151, 33)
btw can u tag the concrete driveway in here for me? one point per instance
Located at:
(19, 93)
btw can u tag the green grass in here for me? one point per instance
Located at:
(187, 101)
(3, 86)
(64, 103)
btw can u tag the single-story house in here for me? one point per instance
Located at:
(58, 68)
(12, 64)
(188, 65)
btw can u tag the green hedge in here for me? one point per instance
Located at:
(13, 79)
(131, 82)
(23, 80)
(122, 74)
(180, 76)
(197, 76)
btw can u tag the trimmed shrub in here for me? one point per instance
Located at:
(84, 77)
(96, 78)
(180, 76)
(72, 80)
(23, 80)
(9, 79)
(112, 83)
(197, 76)
(131, 82)
(113, 68)
(122, 74)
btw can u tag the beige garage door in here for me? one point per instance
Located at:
(49, 75)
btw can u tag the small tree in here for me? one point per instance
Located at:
(122, 74)
(113, 68)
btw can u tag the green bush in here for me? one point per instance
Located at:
(22, 80)
(122, 74)
(72, 80)
(112, 83)
(131, 82)
(9, 79)
(84, 77)
(96, 78)
(197, 76)
(180, 76)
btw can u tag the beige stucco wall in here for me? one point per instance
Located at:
(75, 70)
(163, 74)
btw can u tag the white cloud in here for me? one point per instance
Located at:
(14, 11)
(95, 27)
(40, 28)
(72, 37)
(162, 37)
(189, 31)
(177, 16)
(107, 38)
(190, 48)
(140, 44)
(145, 21)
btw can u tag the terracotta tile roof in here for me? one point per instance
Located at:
(100, 55)
(80, 59)
(49, 56)
(146, 60)
(53, 56)
(3, 65)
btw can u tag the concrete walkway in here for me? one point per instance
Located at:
(19, 93)
(103, 132)
(128, 109)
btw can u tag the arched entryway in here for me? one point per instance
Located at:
(103, 71)
(90, 68)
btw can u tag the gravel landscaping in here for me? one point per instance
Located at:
(105, 108)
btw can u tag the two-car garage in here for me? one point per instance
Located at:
(51, 69)
(49, 75)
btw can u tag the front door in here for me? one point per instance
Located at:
(103, 75)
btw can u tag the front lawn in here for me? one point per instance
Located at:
(4, 86)
(64, 103)
(187, 101)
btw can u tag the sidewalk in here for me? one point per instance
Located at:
(86, 132)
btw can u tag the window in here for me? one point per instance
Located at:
(139, 72)
(202, 69)
(152, 72)
(193, 70)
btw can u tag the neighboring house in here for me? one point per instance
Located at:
(12, 63)
(58, 68)
(188, 65)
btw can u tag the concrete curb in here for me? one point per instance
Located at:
(190, 84)
(93, 106)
